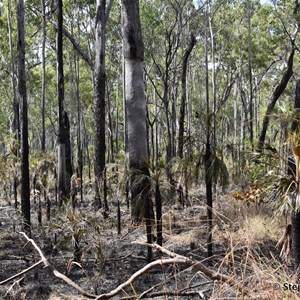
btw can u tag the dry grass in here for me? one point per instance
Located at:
(244, 240)
(248, 236)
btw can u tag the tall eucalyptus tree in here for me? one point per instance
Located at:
(99, 103)
(62, 184)
(136, 114)
(43, 146)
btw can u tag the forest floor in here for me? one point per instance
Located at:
(244, 249)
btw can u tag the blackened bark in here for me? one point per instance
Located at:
(296, 239)
(64, 146)
(209, 196)
(208, 158)
(99, 105)
(25, 187)
(61, 111)
(69, 169)
(275, 96)
(60, 75)
(295, 122)
(158, 204)
(79, 142)
(296, 213)
(183, 95)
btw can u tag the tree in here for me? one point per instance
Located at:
(136, 115)
(275, 96)
(250, 73)
(64, 147)
(16, 105)
(208, 151)
(183, 94)
(62, 188)
(43, 146)
(296, 212)
(25, 187)
(99, 103)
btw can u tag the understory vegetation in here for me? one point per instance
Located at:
(149, 149)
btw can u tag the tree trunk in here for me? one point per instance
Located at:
(16, 109)
(276, 94)
(183, 95)
(158, 205)
(213, 73)
(208, 156)
(43, 144)
(296, 213)
(79, 142)
(99, 105)
(69, 169)
(62, 189)
(16, 120)
(250, 73)
(136, 115)
(25, 187)
(63, 140)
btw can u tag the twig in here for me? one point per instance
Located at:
(57, 273)
(21, 273)
(16, 283)
(169, 293)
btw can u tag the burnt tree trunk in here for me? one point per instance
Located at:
(99, 106)
(183, 95)
(275, 96)
(25, 186)
(208, 156)
(62, 188)
(296, 213)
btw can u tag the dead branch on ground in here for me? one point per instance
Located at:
(172, 259)
(56, 272)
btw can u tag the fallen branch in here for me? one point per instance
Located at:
(168, 293)
(21, 273)
(197, 265)
(159, 262)
(56, 273)
(173, 259)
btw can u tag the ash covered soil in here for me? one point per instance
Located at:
(87, 248)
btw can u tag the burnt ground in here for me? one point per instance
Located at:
(106, 259)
